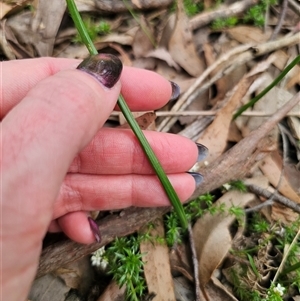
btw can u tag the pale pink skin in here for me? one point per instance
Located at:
(57, 162)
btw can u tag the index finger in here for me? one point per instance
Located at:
(142, 89)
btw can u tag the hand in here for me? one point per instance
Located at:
(58, 163)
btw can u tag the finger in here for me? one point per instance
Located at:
(40, 138)
(20, 76)
(76, 226)
(89, 192)
(116, 151)
(142, 89)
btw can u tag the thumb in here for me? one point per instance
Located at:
(40, 138)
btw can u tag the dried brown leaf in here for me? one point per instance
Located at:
(164, 55)
(230, 80)
(77, 275)
(281, 60)
(212, 236)
(122, 39)
(4, 9)
(18, 35)
(113, 292)
(181, 45)
(144, 120)
(45, 24)
(4, 45)
(272, 171)
(184, 291)
(141, 42)
(137, 3)
(7, 9)
(294, 124)
(157, 268)
(248, 34)
(269, 104)
(216, 291)
(215, 136)
(48, 288)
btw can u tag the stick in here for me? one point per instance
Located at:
(275, 197)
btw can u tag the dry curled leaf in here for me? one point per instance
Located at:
(157, 268)
(181, 45)
(212, 235)
(272, 171)
(113, 292)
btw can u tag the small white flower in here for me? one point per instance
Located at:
(227, 186)
(279, 289)
(280, 232)
(104, 264)
(99, 252)
(98, 259)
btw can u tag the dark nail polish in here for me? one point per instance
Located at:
(175, 91)
(202, 151)
(197, 177)
(95, 229)
(106, 68)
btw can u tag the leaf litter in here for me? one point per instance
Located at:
(218, 71)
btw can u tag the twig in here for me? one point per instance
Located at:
(288, 40)
(281, 19)
(294, 6)
(256, 208)
(209, 113)
(222, 11)
(275, 197)
(267, 16)
(286, 256)
(285, 152)
(232, 59)
(188, 97)
(292, 140)
(195, 263)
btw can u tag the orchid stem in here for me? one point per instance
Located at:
(172, 195)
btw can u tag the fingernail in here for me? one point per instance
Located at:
(202, 151)
(106, 68)
(197, 177)
(95, 229)
(175, 91)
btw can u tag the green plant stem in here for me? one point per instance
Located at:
(86, 39)
(154, 162)
(132, 289)
(294, 267)
(268, 88)
(172, 195)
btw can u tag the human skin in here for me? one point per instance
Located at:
(58, 162)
